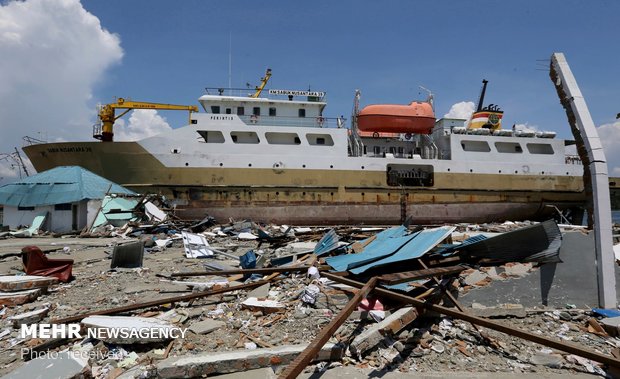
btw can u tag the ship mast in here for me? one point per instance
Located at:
(481, 100)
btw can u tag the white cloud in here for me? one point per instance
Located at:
(526, 127)
(610, 138)
(462, 110)
(142, 123)
(53, 53)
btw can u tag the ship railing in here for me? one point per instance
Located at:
(572, 159)
(249, 92)
(240, 92)
(308, 122)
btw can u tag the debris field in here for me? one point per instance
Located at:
(268, 300)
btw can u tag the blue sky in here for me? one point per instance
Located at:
(67, 56)
(386, 49)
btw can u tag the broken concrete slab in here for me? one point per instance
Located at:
(475, 278)
(225, 362)
(63, 365)
(125, 329)
(548, 360)
(28, 317)
(504, 310)
(260, 292)
(261, 373)
(206, 326)
(266, 306)
(518, 269)
(391, 325)
(611, 325)
(21, 297)
(9, 283)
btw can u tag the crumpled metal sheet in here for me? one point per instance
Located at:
(538, 243)
(421, 243)
(384, 244)
(326, 244)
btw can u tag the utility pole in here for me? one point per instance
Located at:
(596, 178)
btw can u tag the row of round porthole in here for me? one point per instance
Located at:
(332, 166)
(304, 193)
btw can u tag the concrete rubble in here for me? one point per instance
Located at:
(256, 322)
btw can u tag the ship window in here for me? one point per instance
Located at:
(240, 111)
(320, 139)
(228, 111)
(215, 109)
(272, 112)
(539, 148)
(244, 137)
(392, 150)
(401, 151)
(256, 111)
(508, 147)
(302, 113)
(282, 138)
(376, 150)
(20, 208)
(212, 136)
(62, 207)
(479, 146)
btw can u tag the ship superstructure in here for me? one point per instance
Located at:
(277, 158)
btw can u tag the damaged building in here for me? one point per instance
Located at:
(59, 200)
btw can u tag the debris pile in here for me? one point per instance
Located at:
(244, 296)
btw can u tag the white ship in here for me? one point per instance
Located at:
(277, 158)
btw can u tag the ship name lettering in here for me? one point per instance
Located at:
(73, 149)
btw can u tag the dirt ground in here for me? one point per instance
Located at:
(432, 343)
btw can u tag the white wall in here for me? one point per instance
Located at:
(57, 221)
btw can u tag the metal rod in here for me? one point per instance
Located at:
(402, 277)
(269, 270)
(564, 346)
(296, 367)
(153, 303)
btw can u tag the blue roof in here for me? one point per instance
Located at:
(416, 247)
(65, 184)
(384, 244)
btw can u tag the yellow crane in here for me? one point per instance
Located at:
(107, 114)
(263, 83)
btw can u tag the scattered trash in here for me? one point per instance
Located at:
(36, 263)
(310, 294)
(128, 255)
(294, 297)
(196, 246)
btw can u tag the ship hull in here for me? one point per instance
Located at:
(316, 197)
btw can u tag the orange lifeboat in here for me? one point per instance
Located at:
(417, 117)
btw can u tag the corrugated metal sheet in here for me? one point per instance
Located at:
(536, 243)
(66, 184)
(385, 243)
(326, 244)
(450, 249)
(421, 244)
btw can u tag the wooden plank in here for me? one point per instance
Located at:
(559, 345)
(269, 270)
(402, 277)
(306, 356)
(160, 302)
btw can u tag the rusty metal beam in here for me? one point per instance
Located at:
(564, 346)
(269, 270)
(296, 367)
(402, 277)
(154, 303)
